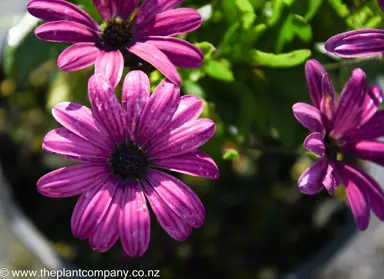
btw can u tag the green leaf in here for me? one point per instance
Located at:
(340, 8)
(207, 48)
(220, 70)
(294, 26)
(248, 15)
(276, 7)
(283, 60)
(231, 155)
(314, 5)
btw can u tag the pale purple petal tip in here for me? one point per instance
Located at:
(136, 90)
(158, 112)
(106, 107)
(134, 221)
(174, 225)
(178, 196)
(347, 115)
(180, 52)
(315, 143)
(331, 179)
(357, 43)
(186, 138)
(111, 65)
(77, 57)
(310, 182)
(55, 10)
(195, 163)
(308, 116)
(107, 231)
(158, 59)
(91, 208)
(79, 120)
(357, 197)
(66, 32)
(72, 180)
(171, 23)
(65, 143)
(314, 73)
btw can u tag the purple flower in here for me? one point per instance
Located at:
(122, 148)
(343, 129)
(357, 43)
(123, 40)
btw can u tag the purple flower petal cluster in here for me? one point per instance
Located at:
(137, 39)
(343, 128)
(123, 149)
(363, 42)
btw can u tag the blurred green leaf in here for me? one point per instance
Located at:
(220, 70)
(290, 59)
(314, 5)
(231, 155)
(294, 26)
(340, 8)
(248, 15)
(207, 48)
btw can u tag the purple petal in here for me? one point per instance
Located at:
(79, 120)
(308, 116)
(111, 65)
(331, 179)
(106, 108)
(178, 196)
(357, 197)
(150, 8)
(126, 8)
(310, 182)
(91, 208)
(175, 226)
(66, 32)
(357, 43)
(157, 112)
(181, 53)
(367, 150)
(196, 163)
(106, 8)
(372, 129)
(171, 23)
(134, 221)
(65, 143)
(107, 232)
(190, 108)
(185, 139)
(350, 104)
(371, 103)
(328, 102)
(381, 4)
(315, 143)
(314, 73)
(78, 57)
(373, 189)
(158, 59)
(55, 10)
(72, 180)
(136, 89)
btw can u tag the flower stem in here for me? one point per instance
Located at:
(351, 62)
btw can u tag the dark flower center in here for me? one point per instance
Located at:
(128, 162)
(116, 35)
(332, 147)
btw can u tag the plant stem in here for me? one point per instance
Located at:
(351, 62)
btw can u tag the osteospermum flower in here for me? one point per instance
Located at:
(123, 149)
(363, 42)
(343, 129)
(121, 40)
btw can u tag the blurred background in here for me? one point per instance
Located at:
(258, 224)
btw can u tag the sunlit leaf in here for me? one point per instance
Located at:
(231, 155)
(219, 70)
(280, 60)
